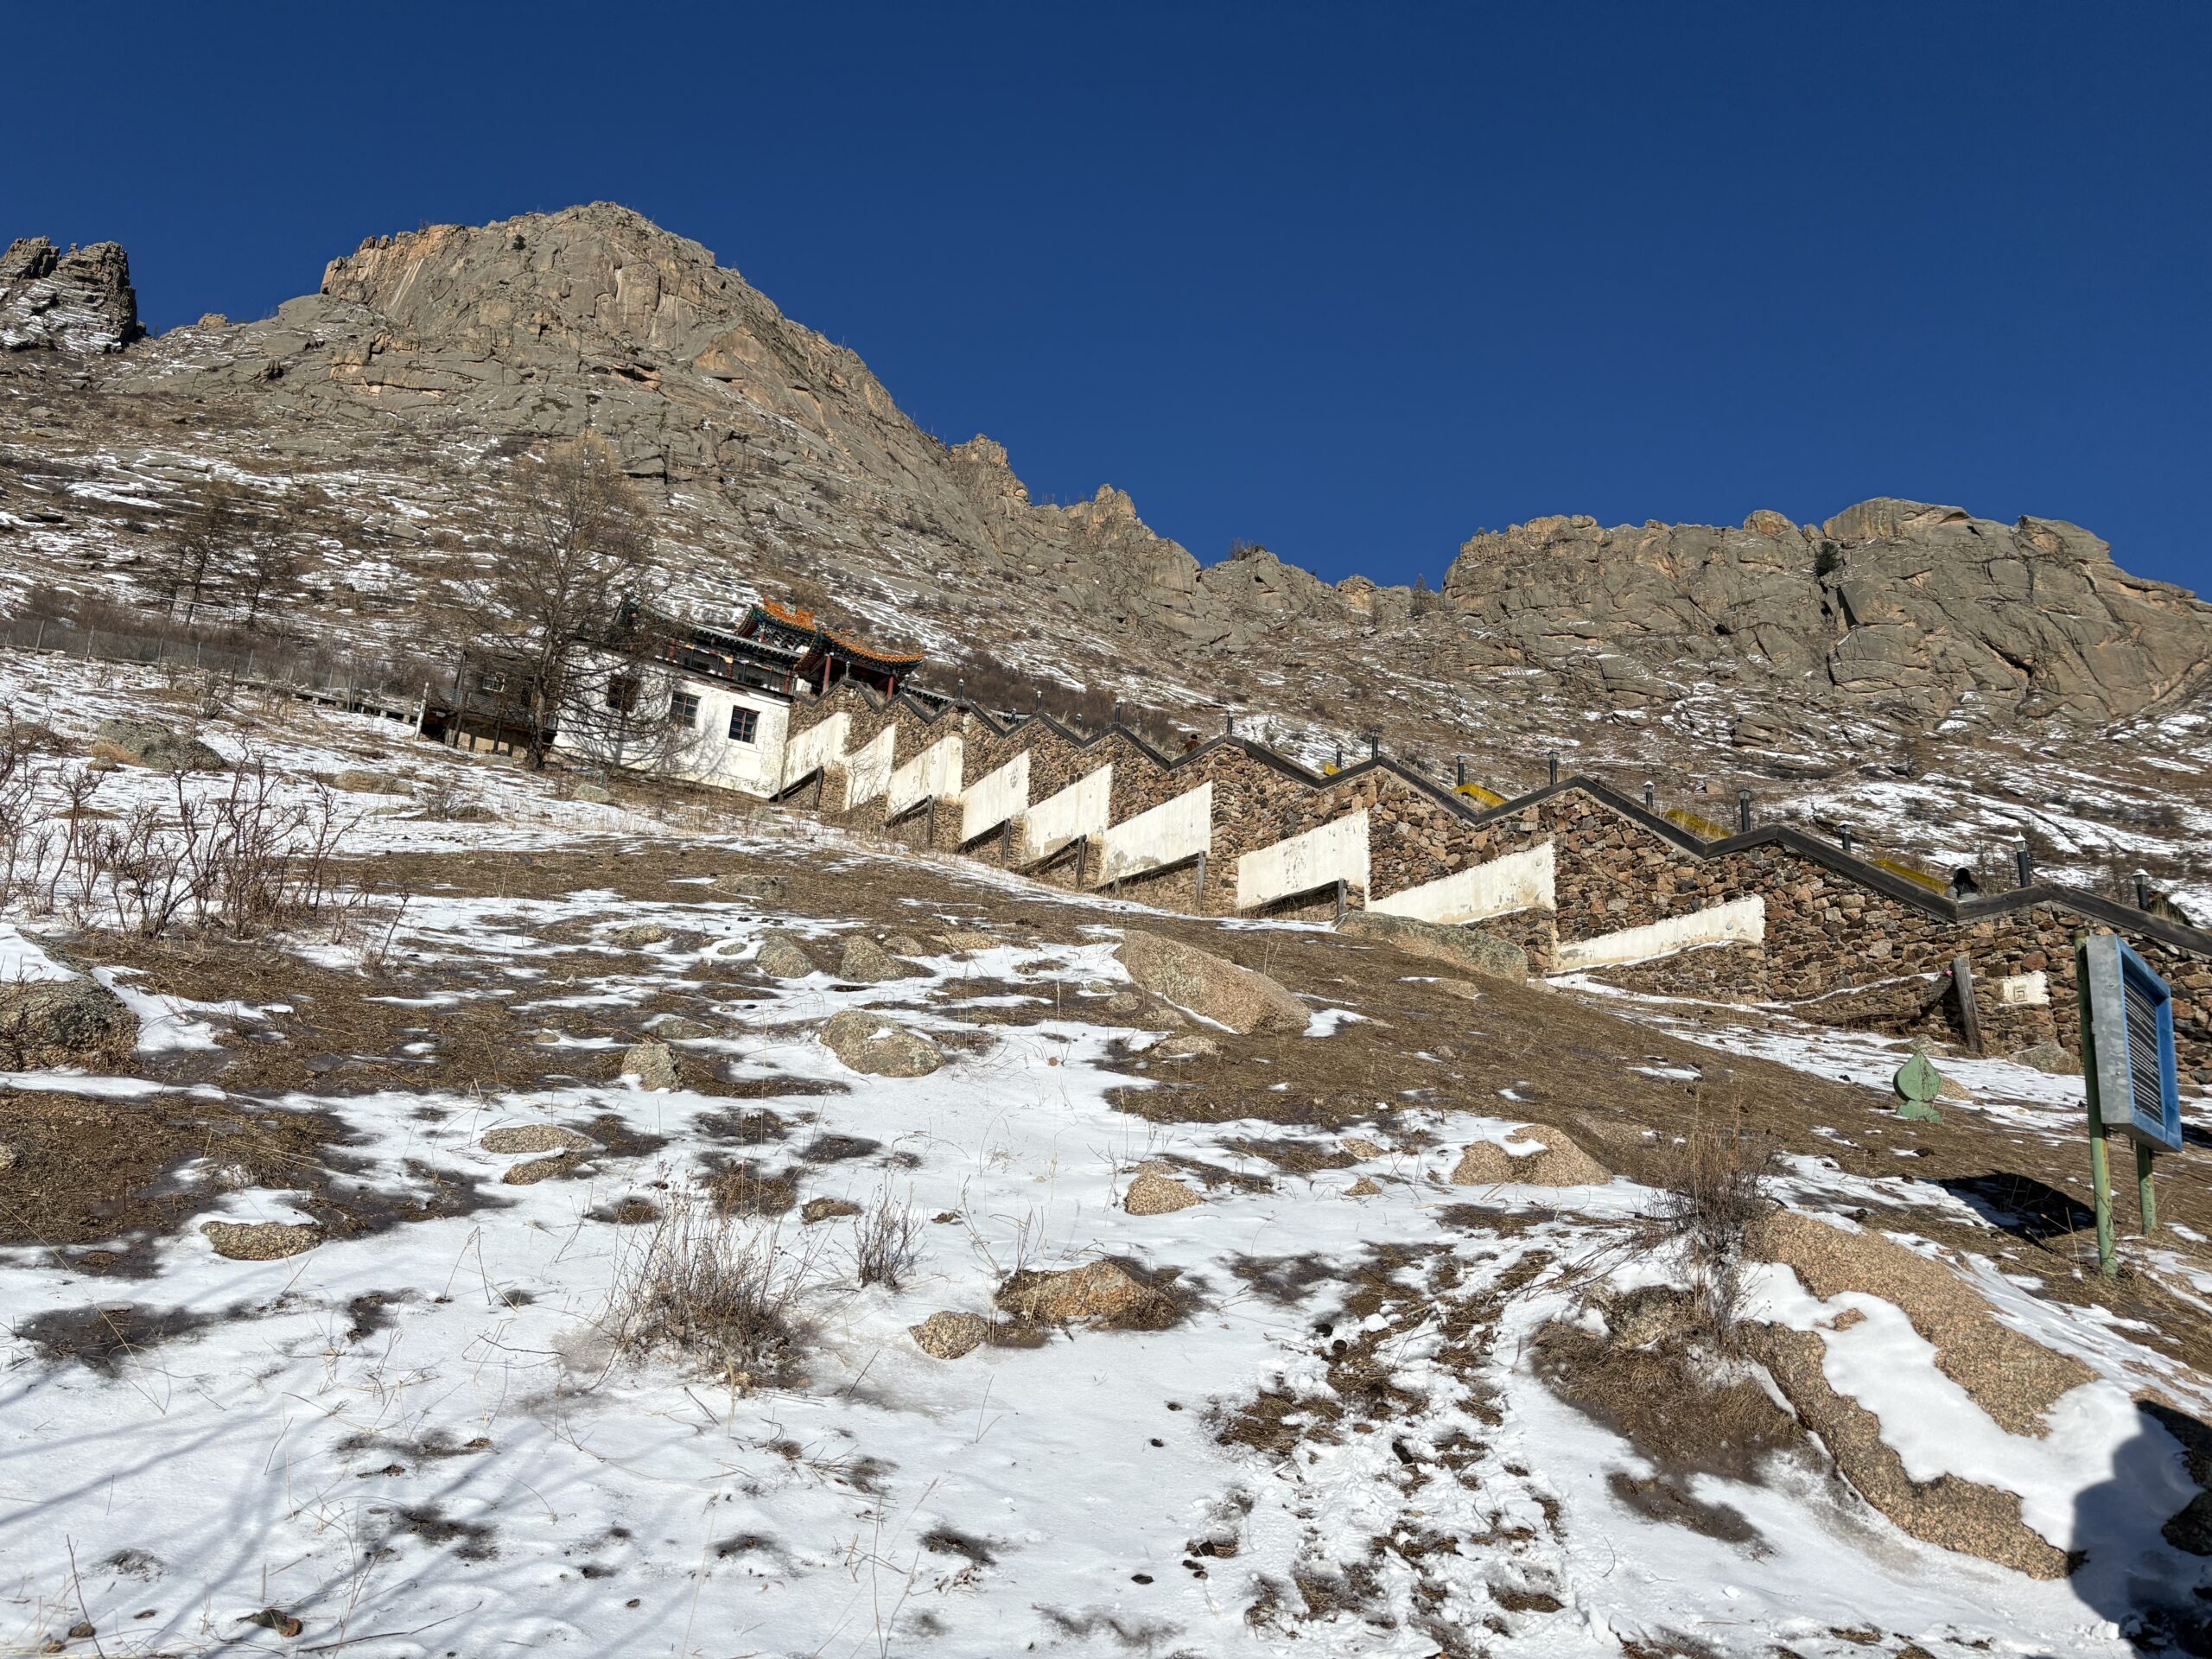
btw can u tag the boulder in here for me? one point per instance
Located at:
(1461, 947)
(534, 1137)
(47, 1022)
(866, 962)
(764, 889)
(948, 1336)
(264, 1241)
(782, 956)
(639, 934)
(145, 743)
(1153, 1193)
(879, 1048)
(815, 1210)
(1559, 1162)
(532, 1171)
(651, 1063)
(1210, 986)
(675, 1028)
(1104, 1293)
(2053, 1058)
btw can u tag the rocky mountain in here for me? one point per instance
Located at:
(398, 391)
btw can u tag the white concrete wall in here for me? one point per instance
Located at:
(995, 797)
(934, 772)
(1084, 808)
(820, 745)
(756, 767)
(701, 754)
(1522, 880)
(868, 769)
(1335, 851)
(1167, 834)
(1740, 921)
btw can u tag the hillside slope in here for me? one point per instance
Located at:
(1897, 636)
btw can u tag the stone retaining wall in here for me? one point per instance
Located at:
(1830, 922)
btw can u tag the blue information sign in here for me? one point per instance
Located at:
(2132, 1019)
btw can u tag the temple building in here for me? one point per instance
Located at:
(818, 657)
(711, 704)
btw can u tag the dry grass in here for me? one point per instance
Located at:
(707, 1285)
(887, 1240)
(1712, 1193)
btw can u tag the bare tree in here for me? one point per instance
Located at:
(624, 706)
(268, 567)
(189, 566)
(574, 545)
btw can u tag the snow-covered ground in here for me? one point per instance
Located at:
(422, 1442)
(471, 1471)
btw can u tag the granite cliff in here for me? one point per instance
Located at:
(775, 458)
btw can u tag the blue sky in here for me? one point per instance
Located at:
(1350, 282)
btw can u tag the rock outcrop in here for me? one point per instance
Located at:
(1890, 605)
(146, 743)
(79, 303)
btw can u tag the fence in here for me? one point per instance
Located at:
(375, 685)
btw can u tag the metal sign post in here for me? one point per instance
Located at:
(2128, 1067)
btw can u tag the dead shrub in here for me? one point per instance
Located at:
(1712, 1191)
(243, 860)
(709, 1286)
(887, 1240)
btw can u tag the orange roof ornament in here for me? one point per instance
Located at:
(824, 657)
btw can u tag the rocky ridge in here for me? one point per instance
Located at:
(777, 462)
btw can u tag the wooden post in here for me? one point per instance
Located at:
(1340, 901)
(1963, 982)
(931, 828)
(2145, 1199)
(2099, 1154)
(1200, 898)
(1006, 844)
(1082, 860)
